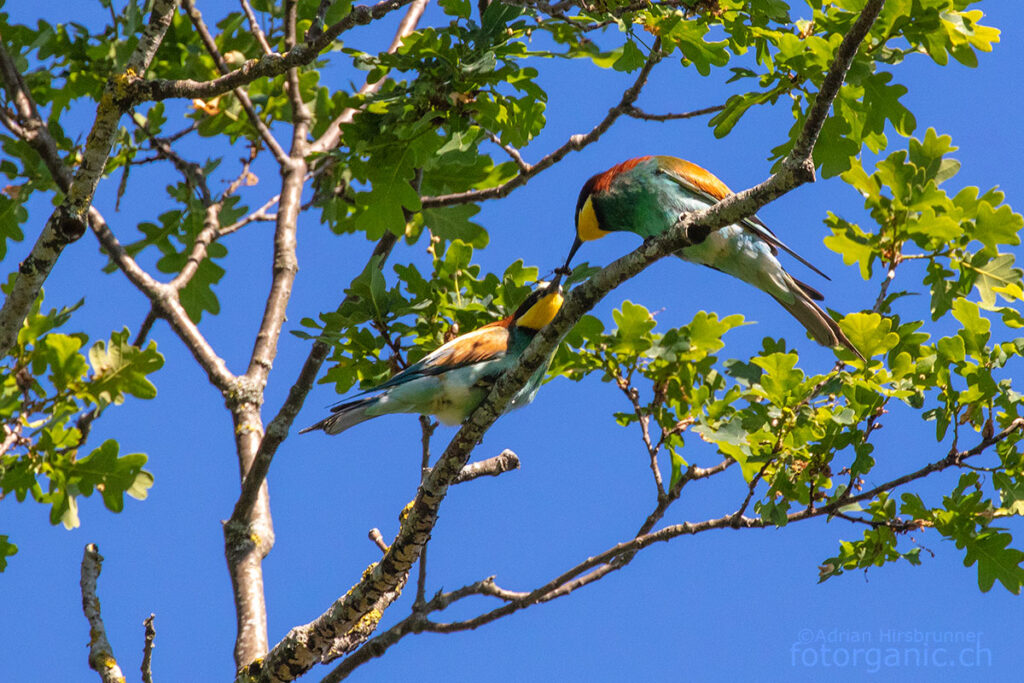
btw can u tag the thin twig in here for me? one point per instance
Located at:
(574, 143)
(243, 97)
(254, 28)
(147, 650)
(427, 428)
(637, 113)
(267, 66)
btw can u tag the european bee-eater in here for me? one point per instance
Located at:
(451, 381)
(647, 195)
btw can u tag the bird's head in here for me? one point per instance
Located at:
(588, 227)
(540, 307)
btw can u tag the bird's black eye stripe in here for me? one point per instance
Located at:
(588, 187)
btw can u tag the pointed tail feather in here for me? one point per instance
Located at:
(345, 415)
(822, 327)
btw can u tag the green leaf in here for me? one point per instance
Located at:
(996, 227)
(735, 107)
(634, 324)
(975, 330)
(7, 549)
(61, 353)
(12, 213)
(706, 330)
(882, 102)
(995, 560)
(855, 245)
(120, 368)
(457, 8)
(781, 376)
(995, 277)
(1011, 492)
(835, 150)
(113, 476)
(689, 37)
(198, 295)
(630, 59)
(870, 333)
(452, 223)
(391, 194)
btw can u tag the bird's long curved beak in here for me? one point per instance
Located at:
(566, 269)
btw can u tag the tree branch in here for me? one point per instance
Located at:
(67, 223)
(574, 143)
(166, 303)
(267, 66)
(506, 461)
(332, 136)
(616, 557)
(637, 113)
(254, 28)
(101, 656)
(243, 97)
(147, 650)
(278, 428)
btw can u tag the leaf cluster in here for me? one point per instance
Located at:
(54, 385)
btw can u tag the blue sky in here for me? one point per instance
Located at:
(729, 605)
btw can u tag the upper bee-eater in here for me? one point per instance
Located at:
(454, 379)
(648, 194)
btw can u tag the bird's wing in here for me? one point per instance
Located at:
(706, 186)
(483, 344)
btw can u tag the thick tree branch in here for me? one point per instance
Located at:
(246, 545)
(67, 223)
(101, 656)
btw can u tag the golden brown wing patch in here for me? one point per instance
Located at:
(473, 347)
(700, 178)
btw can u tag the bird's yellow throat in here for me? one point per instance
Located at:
(541, 313)
(587, 227)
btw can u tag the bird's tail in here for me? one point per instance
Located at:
(822, 327)
(345, 415)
